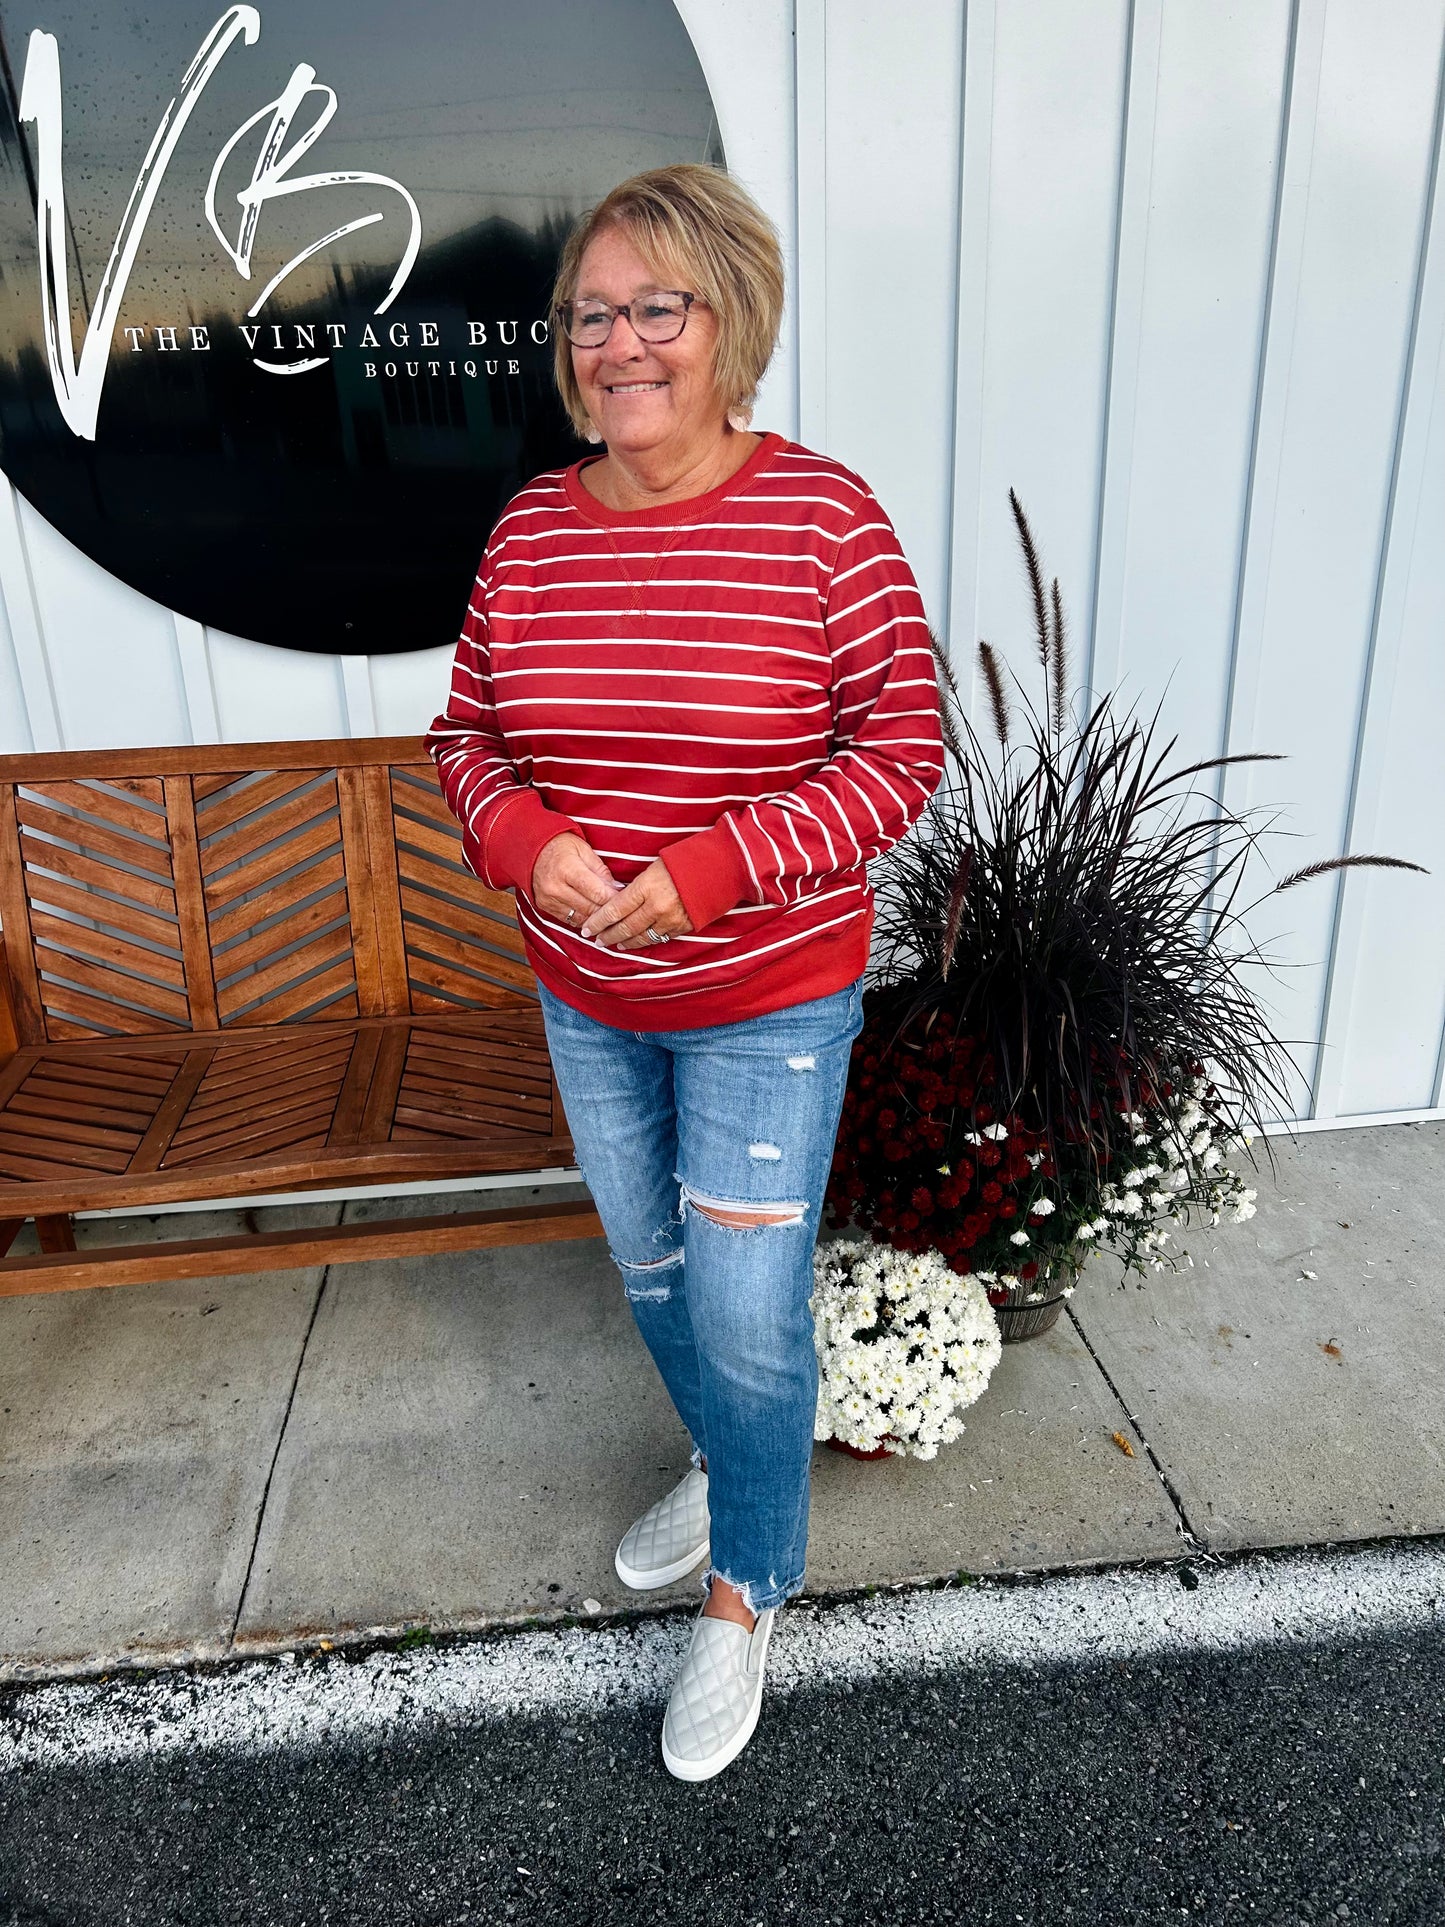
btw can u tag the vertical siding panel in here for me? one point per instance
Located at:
(273, 695)
(195, 660)
(1385, 999)
(891, 198)
(111, 651)
(1126, 329)
(358, 703)
(1195, 258)
(745, 48)
(1351, 209)
(810, 65)
(410, 690)
(1058, 92)
(14, 724)
(975, 204)
(42, 717)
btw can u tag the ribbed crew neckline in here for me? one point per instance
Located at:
(687, 508)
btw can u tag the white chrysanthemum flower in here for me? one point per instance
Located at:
(1018, 1237)
(1041, 1207)
(939, 1344)
(997, 1132)
(1085, 1231)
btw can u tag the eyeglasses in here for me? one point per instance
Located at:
(660, 315)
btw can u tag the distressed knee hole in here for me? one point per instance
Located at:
(768, 1153)
(802, 1063)
(641, 1283)
(735, 1215)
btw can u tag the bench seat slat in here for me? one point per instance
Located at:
(221, 1099)
(54, 1120)
(519, 1074)
(450, 1094)
(46, 1158)
(248, 1137)
(231, 1127)
(107, 1102)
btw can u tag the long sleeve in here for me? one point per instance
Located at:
(505, 824)
(886, 747)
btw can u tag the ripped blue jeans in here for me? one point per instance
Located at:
(683, 1136)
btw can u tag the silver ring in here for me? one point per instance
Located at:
(652, 936)
(571, 914)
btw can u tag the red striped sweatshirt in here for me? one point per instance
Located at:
(739, 683)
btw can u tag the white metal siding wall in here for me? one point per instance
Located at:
(1174, 270)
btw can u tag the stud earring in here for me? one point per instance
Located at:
(593, 434)
(739, 418)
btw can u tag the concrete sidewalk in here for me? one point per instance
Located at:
(243, 1464)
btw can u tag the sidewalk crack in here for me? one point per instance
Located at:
(276, 1454)
(1185, 1527)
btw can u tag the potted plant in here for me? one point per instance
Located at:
(1059, 1046)
(904, 1343)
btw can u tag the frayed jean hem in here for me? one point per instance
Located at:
(757, 1599)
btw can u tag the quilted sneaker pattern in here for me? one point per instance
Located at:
(669, 1539)
(715, 1703)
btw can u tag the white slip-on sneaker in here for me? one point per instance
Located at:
(717, 1697)
(669, 1539)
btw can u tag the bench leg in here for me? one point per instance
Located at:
(56, 1234)
(10, 1229)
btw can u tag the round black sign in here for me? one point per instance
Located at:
(273, 334)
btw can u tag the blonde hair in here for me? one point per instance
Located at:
(698, 228)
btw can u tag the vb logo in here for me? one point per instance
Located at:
(288, 135)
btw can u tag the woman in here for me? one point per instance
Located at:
(692, 699)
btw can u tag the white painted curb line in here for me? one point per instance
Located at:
(1087, 1619)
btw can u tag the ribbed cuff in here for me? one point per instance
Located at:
(709, 874)
(521, 829)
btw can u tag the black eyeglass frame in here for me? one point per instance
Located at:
(565, 309)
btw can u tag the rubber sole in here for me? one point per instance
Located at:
(660, 1575)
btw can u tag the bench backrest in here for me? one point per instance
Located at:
(199, 889)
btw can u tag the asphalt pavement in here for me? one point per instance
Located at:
(1256, 1739)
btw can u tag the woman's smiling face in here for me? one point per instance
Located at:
(644, 396)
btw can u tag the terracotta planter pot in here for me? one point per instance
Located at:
(854, 1452)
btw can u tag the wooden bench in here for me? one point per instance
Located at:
(259, 968)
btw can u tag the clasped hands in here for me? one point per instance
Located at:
(572, 884)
